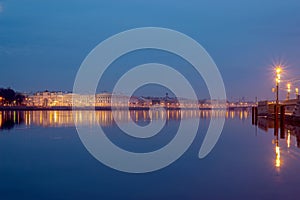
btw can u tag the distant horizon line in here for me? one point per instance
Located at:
(232, 98)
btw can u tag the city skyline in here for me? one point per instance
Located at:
(44, 43)
(149, 99)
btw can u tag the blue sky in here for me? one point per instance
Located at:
(42, 43)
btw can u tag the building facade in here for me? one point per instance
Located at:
(60, 99)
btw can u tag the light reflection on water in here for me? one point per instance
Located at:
(105, 118)
(289, 136)
(42, 156)
(286, 138)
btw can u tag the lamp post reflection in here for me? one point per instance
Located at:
(277, 148)
(288, 139)
(278, 161)
(277, 153)
(285, 140)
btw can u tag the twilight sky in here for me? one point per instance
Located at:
(42, 43)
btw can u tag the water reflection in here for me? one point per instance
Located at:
(286, 137)
(9, 119)
(288, 132)
(277, 152)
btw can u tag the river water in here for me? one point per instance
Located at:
(42, 157)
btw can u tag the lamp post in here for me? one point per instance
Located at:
(278, 76)
(297, 92)
(278, 73)
(288, 91)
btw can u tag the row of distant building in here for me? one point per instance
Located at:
(65, 99)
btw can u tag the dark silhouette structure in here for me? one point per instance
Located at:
(9, 97)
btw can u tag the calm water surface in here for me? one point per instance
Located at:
(42, 157)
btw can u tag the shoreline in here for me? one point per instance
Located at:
(62, 108)
(68, 108)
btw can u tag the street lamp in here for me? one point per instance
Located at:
(288, 91)
(297, 92)
(278, 76)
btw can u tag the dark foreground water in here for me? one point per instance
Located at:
(42, 157)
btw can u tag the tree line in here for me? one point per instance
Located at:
(9, 97)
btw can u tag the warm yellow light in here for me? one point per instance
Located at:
(297, 90)
(278, 70)
(278, 161)
(278, 76)
(289, 87)
(288, 141)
